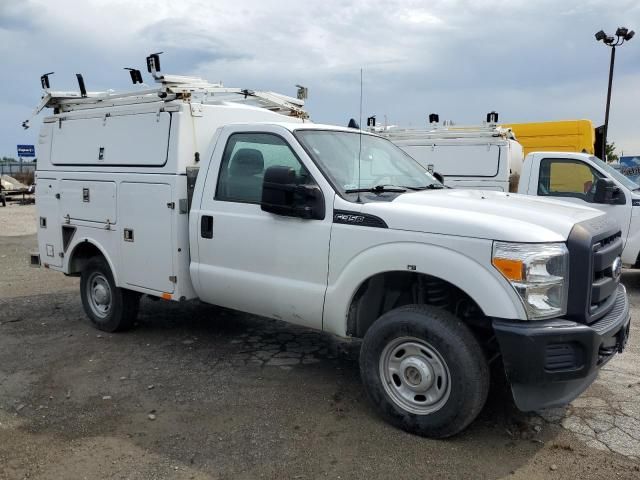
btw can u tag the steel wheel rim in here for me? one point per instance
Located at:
(414, 375)
(98, 292)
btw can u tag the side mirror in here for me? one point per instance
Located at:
(606, 192)
(282, 195)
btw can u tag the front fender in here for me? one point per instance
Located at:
(632, 242)
(485, 285)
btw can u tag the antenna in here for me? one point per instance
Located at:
(360, 139)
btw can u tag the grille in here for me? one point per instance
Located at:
(604, 282)
(593, 247)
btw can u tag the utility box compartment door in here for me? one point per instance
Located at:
(118, 140)
(88, 200)
(480, 160)
(49, 223)
(146, 235)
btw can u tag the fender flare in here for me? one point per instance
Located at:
(492, 292)
(74, 247)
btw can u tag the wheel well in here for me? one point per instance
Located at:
(81, 255)
(386, 291)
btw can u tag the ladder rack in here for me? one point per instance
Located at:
(172, 87)
(468, 132)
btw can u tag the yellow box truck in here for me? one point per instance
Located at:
(561, 136)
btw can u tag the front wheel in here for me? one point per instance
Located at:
(108, 307)
(424, 370)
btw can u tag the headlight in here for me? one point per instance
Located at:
(539, 272)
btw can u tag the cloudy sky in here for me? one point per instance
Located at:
(527, 59)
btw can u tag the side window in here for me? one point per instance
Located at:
(245, 159)
(567, 178)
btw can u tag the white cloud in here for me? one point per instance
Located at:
(529, 60)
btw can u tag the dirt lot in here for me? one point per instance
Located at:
(201, 392)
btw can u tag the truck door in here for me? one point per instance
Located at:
(574, 180)
(255, 261)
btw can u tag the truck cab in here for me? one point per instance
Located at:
(585, 180)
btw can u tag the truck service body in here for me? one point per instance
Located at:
(181, 195)
(482, 157)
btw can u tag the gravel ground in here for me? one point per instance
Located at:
(196, 391)
(17, 220)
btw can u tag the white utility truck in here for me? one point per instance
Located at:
(586, 180)
(482, 157)
(330, 228)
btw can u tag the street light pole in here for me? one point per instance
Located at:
(606, 115)
(623, 34)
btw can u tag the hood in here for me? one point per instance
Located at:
(482, 214)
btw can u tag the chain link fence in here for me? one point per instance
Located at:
(13, 168)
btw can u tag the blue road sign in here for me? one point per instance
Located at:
(26, 151)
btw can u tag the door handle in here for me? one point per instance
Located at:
(206, 226)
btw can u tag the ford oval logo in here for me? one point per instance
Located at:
(616, 268)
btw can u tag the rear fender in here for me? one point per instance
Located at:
(74, 247)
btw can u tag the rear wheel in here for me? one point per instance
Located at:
(424, 370)
(108, 307)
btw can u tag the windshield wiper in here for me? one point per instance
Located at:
(378, 189)
(431, 186)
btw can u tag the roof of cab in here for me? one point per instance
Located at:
(293, 126)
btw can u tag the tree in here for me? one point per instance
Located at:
(610, 152)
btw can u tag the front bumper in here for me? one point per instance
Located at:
(550, 362)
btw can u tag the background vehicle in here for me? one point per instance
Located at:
(483, 157)
(163, 192)
(586, 180)
(556, 136)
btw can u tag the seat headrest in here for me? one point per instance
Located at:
(247, 161)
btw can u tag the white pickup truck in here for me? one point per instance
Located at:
(163, 193)
(586, 180)
(488, 157)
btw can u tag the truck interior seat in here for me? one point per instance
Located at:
(246, 170)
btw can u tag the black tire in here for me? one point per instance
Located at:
(119, 310)
(458, 353)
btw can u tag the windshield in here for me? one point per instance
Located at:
(625, 181)
(381, 162)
